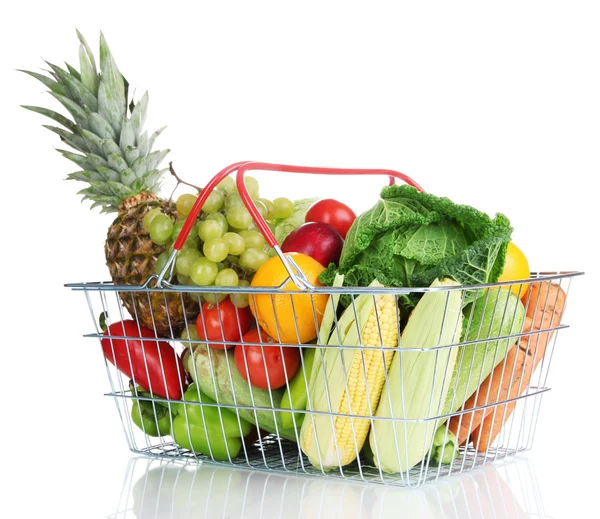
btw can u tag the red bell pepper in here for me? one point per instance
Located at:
(153, 364)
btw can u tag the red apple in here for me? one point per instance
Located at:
(318, 240)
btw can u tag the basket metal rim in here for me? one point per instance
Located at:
(168, 287)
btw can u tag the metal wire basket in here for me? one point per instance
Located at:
(343, 430)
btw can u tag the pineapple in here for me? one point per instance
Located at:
(123, 176)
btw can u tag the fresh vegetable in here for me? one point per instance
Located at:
(266, 364)
(332, 212)
(206, 429)
(495, 313)
(418, 381)
(152, 364)
(548, 302)
(409, 238)
(349, 380)
(284, 226)
(445, 447)
(222, 322)
(518, 365)
(317, 240)
(289, 319)
(516, 268)
(296, 394)
(154, 418)
(217, 376)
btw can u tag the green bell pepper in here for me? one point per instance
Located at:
(209, 430)
(153, 418)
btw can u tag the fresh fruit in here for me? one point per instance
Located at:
(203, 271)
(222, 322)
(266, 364)
(185, 202)
(216, 249)
(161, 229)
(318, 240)
(516, 267)
(330, 211)
(291, 319)
(123, 173)
(283, 207)
(252, 259)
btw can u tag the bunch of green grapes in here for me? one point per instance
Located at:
(224, 248)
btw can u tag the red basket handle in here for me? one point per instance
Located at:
(241, 167)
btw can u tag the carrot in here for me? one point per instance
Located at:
(546, 303)
(545, 309)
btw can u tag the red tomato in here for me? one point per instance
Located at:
(279, 360)
(330, 211)
(223, 322)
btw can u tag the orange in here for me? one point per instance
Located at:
(288, 318)
(516, 268)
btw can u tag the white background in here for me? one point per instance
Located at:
(491, 104)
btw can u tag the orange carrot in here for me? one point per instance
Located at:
(546, 303)
(545, 309)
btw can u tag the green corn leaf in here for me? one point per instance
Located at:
(138, 116)
(81, 160)
(74, 109)
(117, 162)
(112, 104)
(143, 144)
(89, 76)
(59, 118)
(154, 137)
(109, 146)
(131, 154)
(93, 142)
(72, 139)
(154, 159)
(127, 137)
(54, 86)
(88, 50)
(73, 71)
(100, 126)
(79, 92)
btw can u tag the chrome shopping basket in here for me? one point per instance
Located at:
(378, 407)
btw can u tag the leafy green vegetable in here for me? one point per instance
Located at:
(285, 226)
(409, 238)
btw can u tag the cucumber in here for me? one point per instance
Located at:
(217, 376)
(296, 394)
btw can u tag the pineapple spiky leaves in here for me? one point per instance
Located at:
(122, 172)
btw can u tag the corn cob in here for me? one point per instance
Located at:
(349, 381)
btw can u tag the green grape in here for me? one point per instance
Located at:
(227, 185)
(262, 209)
(214, 297)
(227, 278)
(270, 208)
(191, 335)
(240, 300)
(210, 229)
(253, 239)
(216, 249)
(191, 242)
(252, 259)
(149, 216)
(233, 200)
(239, 217)
(161, 228)
(185, 260)
(203, 271)
(284, 207)
(214, 202)
(185, 203)
(177, 226)
(236, 243)
(183, 280)
(219, 217)
(161, 261)
(252, 187)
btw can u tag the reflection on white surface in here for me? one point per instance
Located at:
(156, 488)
